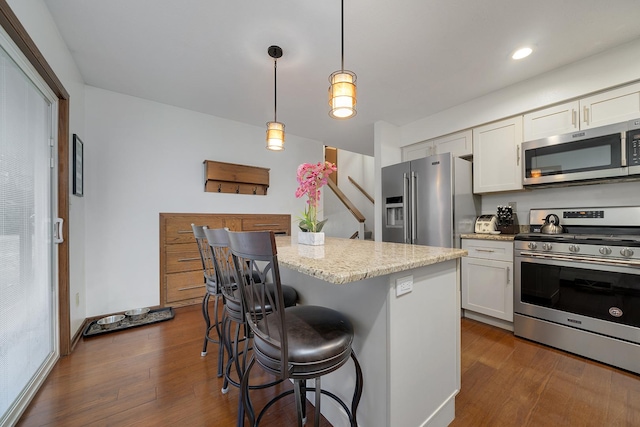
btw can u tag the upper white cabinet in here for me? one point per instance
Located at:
(610, 107)
(459, 144)
(551, 121)
(496, 156)
(602, 109)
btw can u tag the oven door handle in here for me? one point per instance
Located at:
(590, 260)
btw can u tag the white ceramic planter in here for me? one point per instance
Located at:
(313, 239)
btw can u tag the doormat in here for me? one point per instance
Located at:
(154, 316)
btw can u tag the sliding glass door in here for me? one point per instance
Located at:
(28, 284)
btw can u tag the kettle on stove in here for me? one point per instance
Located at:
(552, 225)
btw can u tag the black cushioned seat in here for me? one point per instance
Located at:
(290, 298)
(319, 341)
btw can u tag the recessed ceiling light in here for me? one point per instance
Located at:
(522, 53)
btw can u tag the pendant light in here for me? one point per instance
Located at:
(275, 129)
(342, 92)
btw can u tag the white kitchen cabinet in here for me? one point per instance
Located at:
(551, 121)
(610, 107)
(459, 144)
(496, 156)
(602, 109)
(487, 278)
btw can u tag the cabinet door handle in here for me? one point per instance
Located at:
(188, 259)
(573, 117)
(485, 250)
(508, 275)
(191, 287)
(585, 115)
(623, 148)
(185, 231)
(518, 159)
(266, 225)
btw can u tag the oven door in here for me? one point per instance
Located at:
(591, 154)
(581, 293)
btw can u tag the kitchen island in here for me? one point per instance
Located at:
(408, 345)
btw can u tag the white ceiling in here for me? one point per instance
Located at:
(413, 58)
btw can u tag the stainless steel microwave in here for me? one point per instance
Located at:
(606, 152)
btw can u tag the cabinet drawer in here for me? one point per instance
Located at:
(181, 286)
(489, 249)
(279, 224)
(178, 229)
(179, 258)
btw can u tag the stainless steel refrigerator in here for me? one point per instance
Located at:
(428, 201)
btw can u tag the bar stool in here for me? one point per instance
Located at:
(218, 240)
(212, 290)
(298, 343)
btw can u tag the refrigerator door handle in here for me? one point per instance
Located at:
(405, 208)
(414, 207)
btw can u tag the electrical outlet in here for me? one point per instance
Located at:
(404, 285)
(77, 299)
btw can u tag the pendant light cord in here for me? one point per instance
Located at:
(342, 32)
(275, 90)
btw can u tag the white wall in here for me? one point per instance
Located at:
(608, 69)
(143, 158)
(35, 17)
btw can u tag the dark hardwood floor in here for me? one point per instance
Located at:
(155, 376)
(508, 381)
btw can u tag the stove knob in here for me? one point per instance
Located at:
(605, 250)
(546, 246)
(574, 248)
(532, 245)
(626, 252)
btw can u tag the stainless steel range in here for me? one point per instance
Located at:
(579, 290)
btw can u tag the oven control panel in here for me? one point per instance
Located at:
(583, 214)
(614, 216)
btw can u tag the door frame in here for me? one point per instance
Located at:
(19, 35)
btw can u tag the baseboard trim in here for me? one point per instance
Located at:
(499, 323)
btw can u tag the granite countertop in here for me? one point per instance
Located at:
(480, 236)
(348, 260)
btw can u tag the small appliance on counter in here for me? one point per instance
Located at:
(486, 224)
(507, 221)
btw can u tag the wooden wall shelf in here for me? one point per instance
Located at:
(232, 178)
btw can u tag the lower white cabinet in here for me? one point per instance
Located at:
(487, 278)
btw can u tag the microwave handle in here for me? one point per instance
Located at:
(623, 148)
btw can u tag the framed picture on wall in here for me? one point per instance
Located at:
(78, 168)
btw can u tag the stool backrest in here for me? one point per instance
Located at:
(218, 240)
(205, 253)
(255, 252)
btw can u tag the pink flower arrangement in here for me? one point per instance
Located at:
(311, 177)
